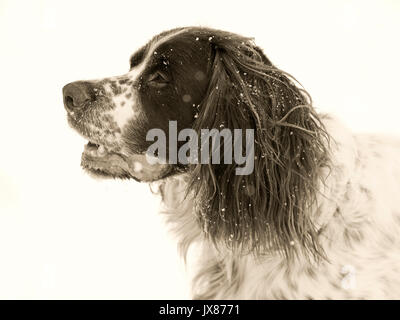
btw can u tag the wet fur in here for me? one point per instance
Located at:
(312, 209)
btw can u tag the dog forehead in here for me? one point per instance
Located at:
(177, 48)
(148, 51)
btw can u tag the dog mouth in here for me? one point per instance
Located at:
(110, 158)
(99, 160)
(95, 150)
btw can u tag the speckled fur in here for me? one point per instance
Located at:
(358, 219)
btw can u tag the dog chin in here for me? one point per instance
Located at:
(99, 162)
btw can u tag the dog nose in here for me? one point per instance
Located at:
(77, 95)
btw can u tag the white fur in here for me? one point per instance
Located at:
(125, 110)
(359, 217)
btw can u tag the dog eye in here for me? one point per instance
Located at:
(158, 79)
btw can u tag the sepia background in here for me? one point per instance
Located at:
(65, 235)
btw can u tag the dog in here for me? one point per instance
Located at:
(317, 218)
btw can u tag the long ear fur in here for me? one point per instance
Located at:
(269, 209)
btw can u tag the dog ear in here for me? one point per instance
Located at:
(270, 208)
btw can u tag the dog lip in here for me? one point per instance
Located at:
(99, 160)
(97, 152)
(97, 173)
(79, 127)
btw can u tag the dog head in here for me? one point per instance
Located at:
(167, 81)
(204, 78)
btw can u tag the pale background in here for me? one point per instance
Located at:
(64, 235)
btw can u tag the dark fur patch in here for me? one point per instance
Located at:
(247, 91)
